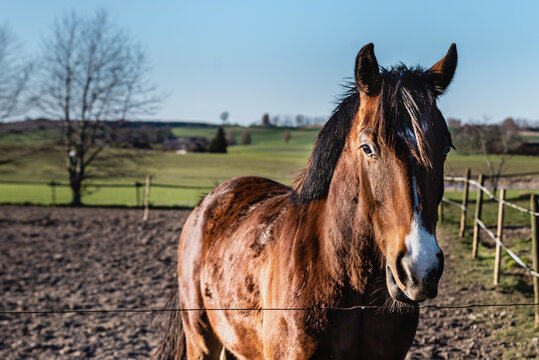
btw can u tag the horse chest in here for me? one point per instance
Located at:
(366, 334)
(356, 334)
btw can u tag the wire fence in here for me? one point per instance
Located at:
(317, 308)
(107, 185)
(482, 224)
(489, 194)
(462, 206)
(498, 237)
(138, 200)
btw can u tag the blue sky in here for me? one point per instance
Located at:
(290, 57)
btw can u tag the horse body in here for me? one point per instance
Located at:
(251, 260)
(271, 264)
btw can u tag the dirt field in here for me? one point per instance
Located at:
(83, 259)
(108, 258)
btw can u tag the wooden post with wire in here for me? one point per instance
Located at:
(147, 198)
(464, 203)
(478, 208)
(499, 235)
(535, 254)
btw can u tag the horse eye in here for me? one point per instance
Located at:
(367, 150)
(447, 149)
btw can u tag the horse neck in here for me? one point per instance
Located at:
(347, 237)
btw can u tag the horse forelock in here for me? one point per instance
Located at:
(408, 114)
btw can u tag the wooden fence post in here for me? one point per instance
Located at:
(441, 212)
(147, 198)
(478, 207)
(499, 235)
(53, 193)
(464, 203)
(535, 254)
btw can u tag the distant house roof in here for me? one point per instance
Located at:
(528, 148)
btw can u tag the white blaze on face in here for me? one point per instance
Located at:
(422, 255)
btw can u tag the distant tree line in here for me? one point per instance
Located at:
(221, 141)
(289, 121)
(487, 139)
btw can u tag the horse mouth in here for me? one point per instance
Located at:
(395, 291)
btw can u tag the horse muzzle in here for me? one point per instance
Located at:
(406, 286)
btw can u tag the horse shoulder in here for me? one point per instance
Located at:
(222, 250)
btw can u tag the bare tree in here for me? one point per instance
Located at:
(14, 75)
(287, 136)
(245, 138)
(92, 71)
(15, 71)
(266, 120)
(276, 120)
(489, 140)
(224, 116)
(454, 123)
(231, 138)
(300, 120)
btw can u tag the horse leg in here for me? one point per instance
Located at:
(200, 339)
(203, 346)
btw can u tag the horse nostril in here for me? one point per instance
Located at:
(399, 267)
(440, 269)
(430, 283)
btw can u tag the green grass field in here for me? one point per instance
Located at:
(267, 156)
(32, 138)
(515, 284)
(508, 325)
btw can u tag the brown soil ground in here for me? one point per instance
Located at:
(93, 258)
(88, 258)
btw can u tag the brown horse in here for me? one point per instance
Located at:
(271, 264)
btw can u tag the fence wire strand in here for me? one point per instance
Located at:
(321, 308)
(501, 244)
(482, 224)
(491, 195)
(317, 308)
(454, 203)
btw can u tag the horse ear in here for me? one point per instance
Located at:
(444, 69)
(367, 71)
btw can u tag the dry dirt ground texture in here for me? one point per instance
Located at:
(92, 258)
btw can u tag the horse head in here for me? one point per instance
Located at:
(401, 142)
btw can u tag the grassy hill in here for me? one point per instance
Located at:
(267, 156)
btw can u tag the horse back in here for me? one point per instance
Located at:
(250, 204)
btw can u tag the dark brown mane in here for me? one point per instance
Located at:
(406, 117)
(313, 182)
